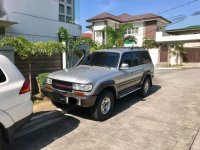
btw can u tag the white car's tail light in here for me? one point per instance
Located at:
(25, 88)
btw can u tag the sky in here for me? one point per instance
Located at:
(91, 8)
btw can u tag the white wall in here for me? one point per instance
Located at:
(37, 19)
(162, 37)
(192, 44)
(140, 34)
(154, 53)
(100, 25)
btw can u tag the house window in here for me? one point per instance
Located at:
(61, 8)
(134, 30)
(69, 10)
(98, 34)
(66, 8)
(61, 18)
(129, 31)
(69, 19)
(69, 1)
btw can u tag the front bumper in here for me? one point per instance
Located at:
(69, 98)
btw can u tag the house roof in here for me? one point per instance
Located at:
(123, 18)
(189, 28)
(88, 35)
(187, 22)
(104, 16)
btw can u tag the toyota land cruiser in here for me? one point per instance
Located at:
(100, 79)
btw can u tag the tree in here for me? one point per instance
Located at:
(26, 49)
(72, 44)
(130, 38)
(178, 51)
(115, 37)
(148, 43)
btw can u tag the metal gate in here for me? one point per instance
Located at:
(192, 55)
(164, 54)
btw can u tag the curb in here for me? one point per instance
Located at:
(169, 68)
(40, 121)
(174, 68)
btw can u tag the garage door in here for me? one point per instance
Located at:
(192, 55)
(164, 54)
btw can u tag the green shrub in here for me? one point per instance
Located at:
(41, 79)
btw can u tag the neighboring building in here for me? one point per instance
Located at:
(87, 34)
(190, 36)
(38, 20)
(144, 26)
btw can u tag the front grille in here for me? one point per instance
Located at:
(62, 85)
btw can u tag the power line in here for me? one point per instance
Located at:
(178, 6)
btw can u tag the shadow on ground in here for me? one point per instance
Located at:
(43, 137)
(120, 105)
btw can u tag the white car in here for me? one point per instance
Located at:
(15, 100)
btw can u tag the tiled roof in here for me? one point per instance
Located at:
(125, 17)
(194, 27)
(88, 35)
(104, 16)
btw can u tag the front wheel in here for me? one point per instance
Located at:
(103, 108)
(145, 87)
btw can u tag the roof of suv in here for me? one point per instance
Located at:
(121, 50)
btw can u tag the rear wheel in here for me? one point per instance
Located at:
(145, 87)
(103, 108)
(2, 142)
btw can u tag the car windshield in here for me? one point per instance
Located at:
(102, 59)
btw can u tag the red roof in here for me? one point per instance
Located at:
(126, 17)
(88, 35)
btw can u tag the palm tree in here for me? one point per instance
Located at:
(148, 44)
(115, 37)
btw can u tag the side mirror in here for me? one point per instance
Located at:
(124, 66)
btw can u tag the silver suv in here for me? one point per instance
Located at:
(100, 79)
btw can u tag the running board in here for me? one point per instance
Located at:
(136, 89)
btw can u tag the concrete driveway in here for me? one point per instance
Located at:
(168, 119)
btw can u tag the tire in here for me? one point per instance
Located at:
(145, 87)
(103, 108)
(2, 142)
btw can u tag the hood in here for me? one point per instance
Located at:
(82, 74)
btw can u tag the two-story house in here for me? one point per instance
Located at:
(145, 26)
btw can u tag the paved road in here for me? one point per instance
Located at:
(168, 119)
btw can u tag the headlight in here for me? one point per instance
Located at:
(49, 81)
(82, 87)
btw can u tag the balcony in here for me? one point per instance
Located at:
(162, 37)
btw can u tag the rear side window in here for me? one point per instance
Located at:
(145, 57)
(127, 58)
(2, 76)
(135, 59)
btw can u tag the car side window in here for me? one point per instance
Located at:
(127, 58)
(145, 57)
(2, 76)
(135, 59)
